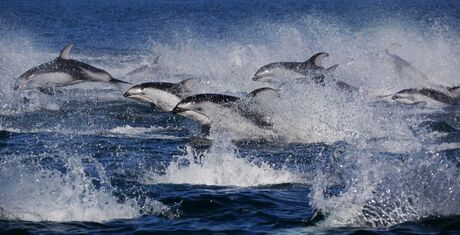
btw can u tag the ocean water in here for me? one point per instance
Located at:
(88, 160)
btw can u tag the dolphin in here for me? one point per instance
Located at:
(311, 68)
(144, 67)
(408, 73)
(426, 97)
(164, 95)
(202, 107)
(63, 71)
(422, 91)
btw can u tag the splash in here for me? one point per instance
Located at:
(365, 189)
(34, 193)
(368, 186)
(306, 113)
(142, 132)
(223, 166)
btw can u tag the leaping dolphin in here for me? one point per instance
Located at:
(202, 107)
(144, 67)
(311, 68)
(422, 91)
(164, 95)
(63, 71)
(426, 97)
(409, 73)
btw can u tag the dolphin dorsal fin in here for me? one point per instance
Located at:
(187, 83)
(264, 91)
(390, 50)
(156, 60)
(65, 53)
(315, 60)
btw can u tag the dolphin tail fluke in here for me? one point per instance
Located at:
(114, 80)
(455, 90)
(156, 60)
(332, 69)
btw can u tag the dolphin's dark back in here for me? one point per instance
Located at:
(79, 71)
(433, 94)
(49, 67)
(173, 88)
(72, 67)
(75, 68)
(439, 96)
(214, 98)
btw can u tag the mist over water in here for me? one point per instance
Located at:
(89, 154)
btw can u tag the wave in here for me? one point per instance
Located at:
(34, 193)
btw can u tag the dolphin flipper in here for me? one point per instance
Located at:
(263, 91)
(47, 90)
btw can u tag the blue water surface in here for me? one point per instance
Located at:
(88, 160)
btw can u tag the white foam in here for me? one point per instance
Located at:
(30, 192)
(381, 191)
(142, 132)
(221, 165)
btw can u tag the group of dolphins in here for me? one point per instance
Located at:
(180, 99)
